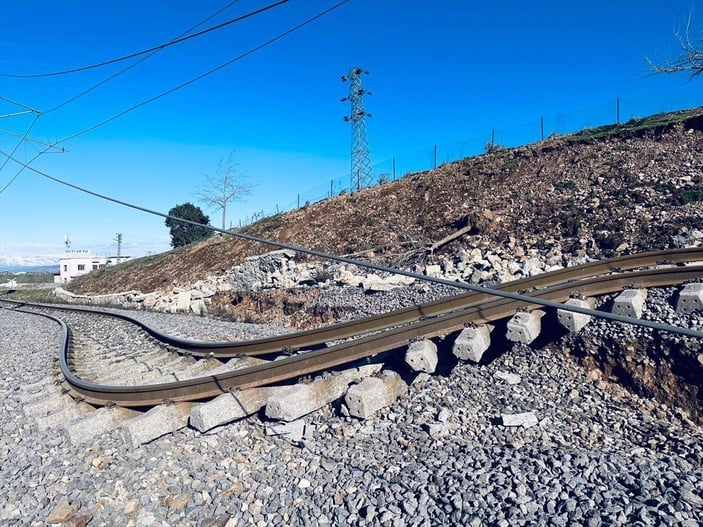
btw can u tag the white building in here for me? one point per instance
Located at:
(79, 262)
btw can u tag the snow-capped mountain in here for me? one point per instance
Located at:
(14, 264)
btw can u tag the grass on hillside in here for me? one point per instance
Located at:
(125, 266)
(165, 266)
(659, 121)
(28, 278)
(29, 294)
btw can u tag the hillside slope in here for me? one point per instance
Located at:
(601, 192)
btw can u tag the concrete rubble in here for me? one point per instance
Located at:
(373, 393)
(281, 270)
(294, 431)
(473, 342)
(690, 298)
(289, 403)
(422, 356)
(524, 419)
(573, 321)
(630, 303)
(509, 378)
(525, 326)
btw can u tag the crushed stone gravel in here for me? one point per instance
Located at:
(598, 455)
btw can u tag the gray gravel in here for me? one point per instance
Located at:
(440, 456)
(202, 328)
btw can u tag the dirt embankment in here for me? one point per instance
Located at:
(603, 196)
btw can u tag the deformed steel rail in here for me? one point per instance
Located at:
(394, 329)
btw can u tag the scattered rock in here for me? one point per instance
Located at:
(61, 512)
(510, 378)
(525, 419)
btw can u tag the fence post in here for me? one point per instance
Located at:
(493, 138)
(541, 125)
(434, 164)
(331, 188)
(298, 200)
(617, 110)
(394, 169)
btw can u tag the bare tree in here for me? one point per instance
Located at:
(226, 186)
(689, 61)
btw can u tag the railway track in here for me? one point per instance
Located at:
(104, 367)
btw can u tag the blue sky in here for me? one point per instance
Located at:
(444, 72)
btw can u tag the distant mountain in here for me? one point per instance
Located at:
(29, 264)
(29, 268)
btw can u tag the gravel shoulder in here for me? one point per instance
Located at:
(598, 455)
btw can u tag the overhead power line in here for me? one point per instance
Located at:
(15, 114)
(145, 51)
(163, 94)
(22, 168)
(377, 267)
(205, 74)
(26, 133)
(22, 138)
(50, 147)
(136, 63)
(31, 140)
(28, 108)
(25, 137)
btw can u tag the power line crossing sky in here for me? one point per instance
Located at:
(443, 73)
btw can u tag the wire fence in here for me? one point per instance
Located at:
(617, 111)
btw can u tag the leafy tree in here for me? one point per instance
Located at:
(689, 61)
(184, 233)
(226, 186)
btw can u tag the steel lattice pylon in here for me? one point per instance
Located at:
(361, 174)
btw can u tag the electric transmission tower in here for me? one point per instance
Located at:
(118, 239)
(361, 174)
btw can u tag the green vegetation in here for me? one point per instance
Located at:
(680, 196)
(186, 233)
(658, 122)
(323, 275)
(29, 294)
(273, 222)
(565, 185)
(608, 241)
(492, 148)
(690, 195)
(509, 166)
(569, 223)
(665, 188)
(28, 278)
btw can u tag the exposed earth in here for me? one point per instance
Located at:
(600, 193)
(596, 453)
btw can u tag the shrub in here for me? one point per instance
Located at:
(490, 148)
(690, 195)
(570, 224)
(608, 242)
(565, 185)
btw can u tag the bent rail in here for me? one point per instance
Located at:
(432, 319)
(315, 338)
(365, 347)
